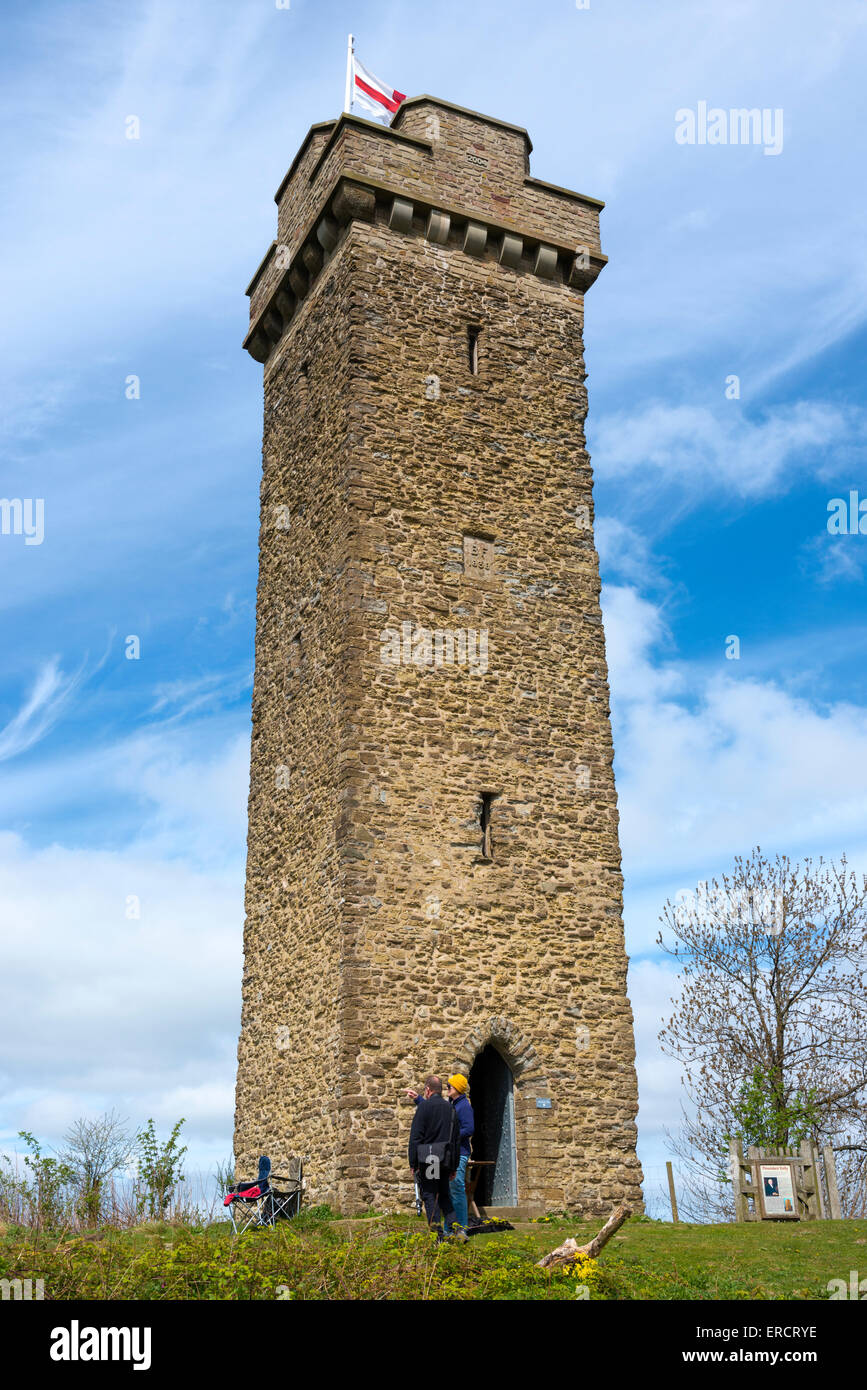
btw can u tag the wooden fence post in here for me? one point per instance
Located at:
(671, 1192)
(831, 1180)
(736, 1159)
(810, 1179)
(820, 1190)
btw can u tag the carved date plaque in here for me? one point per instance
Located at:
(478, 558)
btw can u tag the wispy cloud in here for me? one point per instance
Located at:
(835, 559)
(177, 700)
(41, 710)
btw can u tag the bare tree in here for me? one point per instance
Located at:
(771, 1024)
(851, 1161)
(96, 1150)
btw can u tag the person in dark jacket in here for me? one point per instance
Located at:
(435, 1123)
(459, 1098)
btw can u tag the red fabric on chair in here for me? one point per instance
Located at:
(251, 1192)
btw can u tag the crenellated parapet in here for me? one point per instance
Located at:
(467, 187)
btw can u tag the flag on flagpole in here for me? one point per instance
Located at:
(369, 93)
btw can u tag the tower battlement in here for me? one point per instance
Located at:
(433, 873)
(439, 171)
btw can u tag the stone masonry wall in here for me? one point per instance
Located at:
(291, 1024)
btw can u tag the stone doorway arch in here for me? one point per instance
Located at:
(492, 1096)
(499, 1061)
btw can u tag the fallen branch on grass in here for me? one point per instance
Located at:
(570, 1249)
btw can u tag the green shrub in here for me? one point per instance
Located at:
(159, 1170)
(50, 1195)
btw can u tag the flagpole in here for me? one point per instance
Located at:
(347, 100)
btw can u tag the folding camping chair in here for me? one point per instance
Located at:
(260, 1203)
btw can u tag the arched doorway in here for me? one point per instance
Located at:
(492, 1097)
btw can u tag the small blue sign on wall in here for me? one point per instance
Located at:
(543, 1103)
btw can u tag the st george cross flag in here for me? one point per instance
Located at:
(372, 95)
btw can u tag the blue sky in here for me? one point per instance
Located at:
(125, 779)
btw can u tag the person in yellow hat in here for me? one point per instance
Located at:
(458, 1093)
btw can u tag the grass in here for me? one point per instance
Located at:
(317, 1257)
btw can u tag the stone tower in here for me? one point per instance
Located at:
(433, 877)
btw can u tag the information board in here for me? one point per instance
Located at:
(776, 1191)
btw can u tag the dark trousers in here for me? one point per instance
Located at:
(435, 1194)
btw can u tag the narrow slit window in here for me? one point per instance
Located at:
(304, 385)
(295, 656)
(473, 335)
(485, 824)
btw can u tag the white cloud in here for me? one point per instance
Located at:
(102, 1007)
(712, 764)
(635, 629)
(198, 802)
(653, 984)
(624, 551)
(694, 450)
